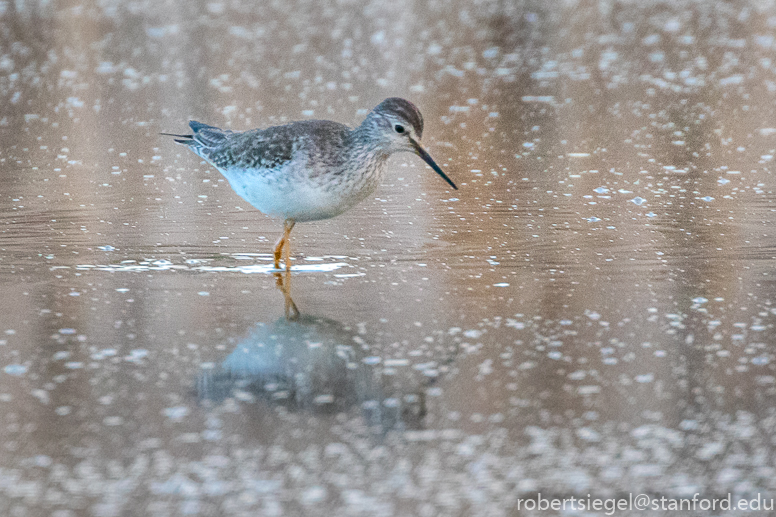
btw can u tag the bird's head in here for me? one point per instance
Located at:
(400, 127)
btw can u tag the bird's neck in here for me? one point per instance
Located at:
(363, 145)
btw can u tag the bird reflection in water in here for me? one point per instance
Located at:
(292, 312)
(317, 364)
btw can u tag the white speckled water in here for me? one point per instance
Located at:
(592, 314)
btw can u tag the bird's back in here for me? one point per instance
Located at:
(272, 148)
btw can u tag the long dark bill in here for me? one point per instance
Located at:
(430, 161)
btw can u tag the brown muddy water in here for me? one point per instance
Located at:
(591, 315)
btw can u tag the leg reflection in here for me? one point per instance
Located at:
(292, 313)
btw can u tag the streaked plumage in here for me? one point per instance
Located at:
(314, 169)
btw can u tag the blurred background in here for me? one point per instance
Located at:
(590, 315)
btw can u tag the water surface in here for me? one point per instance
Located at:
(590, 315)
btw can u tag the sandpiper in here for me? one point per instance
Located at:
(313, 169)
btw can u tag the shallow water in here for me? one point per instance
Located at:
(590, 315)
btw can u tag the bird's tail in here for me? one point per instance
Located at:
(203, 138)
(180, 139)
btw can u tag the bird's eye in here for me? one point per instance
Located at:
(398, 128)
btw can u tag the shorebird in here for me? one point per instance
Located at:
(313, 169)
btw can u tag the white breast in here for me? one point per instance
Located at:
(293, 192)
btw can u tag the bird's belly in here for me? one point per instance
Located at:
(290, 196)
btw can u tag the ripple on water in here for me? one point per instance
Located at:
(199, 265)
(15, 369)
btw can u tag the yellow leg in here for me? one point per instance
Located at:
(285, 240)
(279, 250)
(287, 254)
